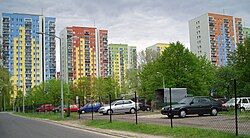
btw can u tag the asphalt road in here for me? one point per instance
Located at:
(17, 127)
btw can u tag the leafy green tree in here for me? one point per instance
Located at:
(105, 86)
(241, 65)
(6, 89)
(181, 69)
(53, 91)
(83, 88)
(223, 82)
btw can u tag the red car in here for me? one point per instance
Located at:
(73, 108)
(45, 108)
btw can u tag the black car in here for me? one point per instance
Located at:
(193, 105)
(144, 106)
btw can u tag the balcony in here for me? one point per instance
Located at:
(213, 59)
(211, 24)
(6, 32)
(7, 20)
(52, 30)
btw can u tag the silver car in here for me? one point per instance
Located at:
(119, 106)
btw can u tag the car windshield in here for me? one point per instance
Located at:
(231, 101)
(113, 103)
(186, 100)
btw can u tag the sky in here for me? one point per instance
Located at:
(140, 23)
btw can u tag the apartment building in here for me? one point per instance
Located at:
(158, 47)
(215, 36)
(29, 57)
(122, 57)
(85, 52)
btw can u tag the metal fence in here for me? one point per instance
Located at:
(232, 121)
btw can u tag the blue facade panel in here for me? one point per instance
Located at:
(16, 21)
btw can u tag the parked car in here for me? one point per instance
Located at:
(193, 105)
(57, 109)
(222, 101)
(120, 106)
(243, 103)
(73, 108)
(88, 108)
(144, 107)
(45, 108)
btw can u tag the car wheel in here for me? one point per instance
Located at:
(148, 109)
(109, 112)
(214, 112)
(132, 110)
(182, 114)
(242, 109)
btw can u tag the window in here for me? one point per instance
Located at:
(127, 102)
(119, 103)
(204, 100)
(196, 100)
(244, 101)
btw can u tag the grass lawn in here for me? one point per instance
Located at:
(242, 115)
(152, 129)
(49, 115)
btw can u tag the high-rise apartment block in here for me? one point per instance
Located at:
(158, 47)
(29, 58)
(132, 57)
(85, 52)
(1, 46)
(215, 36)
(123, 57)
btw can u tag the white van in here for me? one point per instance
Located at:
(243, 102)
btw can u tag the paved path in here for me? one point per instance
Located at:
(17, 127)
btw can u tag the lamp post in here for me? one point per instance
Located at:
(61, 76)
(163, 81)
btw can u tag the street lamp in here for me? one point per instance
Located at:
(163, 81)
(61, 76)
(67, 72)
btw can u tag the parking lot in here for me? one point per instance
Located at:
(220, 122)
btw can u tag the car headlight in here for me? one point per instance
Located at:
(162, 108)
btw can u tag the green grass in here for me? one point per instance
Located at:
(242, 115)
(152, 129)
(50, 116)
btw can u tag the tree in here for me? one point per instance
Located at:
(83, 88)
(147, 56)
(181, 69)
(223, 84)
(241, 65)
(6, 89)
(105, 86)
